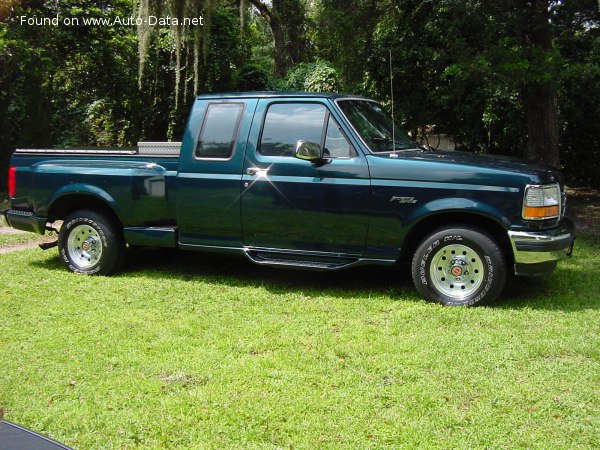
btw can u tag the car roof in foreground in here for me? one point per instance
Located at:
(276, 94)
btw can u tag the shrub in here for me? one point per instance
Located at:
(313, 77)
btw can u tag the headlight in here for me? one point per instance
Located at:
(541, 202)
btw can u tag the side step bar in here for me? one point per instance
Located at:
(308, 261)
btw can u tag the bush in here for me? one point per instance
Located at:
(253, 78)
(313, 77)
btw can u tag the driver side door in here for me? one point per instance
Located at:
(298, 205)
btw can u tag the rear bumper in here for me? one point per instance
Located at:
(536, 253)
(23, 220)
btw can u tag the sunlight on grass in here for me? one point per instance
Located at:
(192, 350)
(8, 240)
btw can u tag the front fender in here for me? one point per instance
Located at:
(456, 205)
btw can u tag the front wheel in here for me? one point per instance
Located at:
(91, 243)
(459, 266)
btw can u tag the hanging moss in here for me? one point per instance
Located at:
(243, 7)
(209, 10)
(173, 8)
(178, 10)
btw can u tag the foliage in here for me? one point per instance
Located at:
(468, 68)
(287, 20)
(465, 67)
(579, 45)
(253, 78)
(313, 77)
(343, 34)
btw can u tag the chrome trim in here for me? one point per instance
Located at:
(540, 256)
(18, 212)
(300, 252)
(145, 149)
(159, 148)
(75, 151)
(247, 251)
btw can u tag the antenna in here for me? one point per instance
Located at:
(392, 93)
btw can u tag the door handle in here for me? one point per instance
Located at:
(256, 171)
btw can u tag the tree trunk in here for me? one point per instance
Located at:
(270, 15)
(541, 110)
(540, 98)
(279, 45)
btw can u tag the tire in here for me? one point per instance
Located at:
(91, 243)
(459, 266)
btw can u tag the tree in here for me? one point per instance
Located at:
(286, 19)
(468, 66)
(343, 34)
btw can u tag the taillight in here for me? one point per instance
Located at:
(12, 182)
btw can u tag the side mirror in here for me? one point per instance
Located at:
(308, 151)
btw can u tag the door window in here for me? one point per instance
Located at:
(219, 130)
(287, 123)
(336, 144)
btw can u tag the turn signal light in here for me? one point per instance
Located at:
(12, 182)
(540, 212)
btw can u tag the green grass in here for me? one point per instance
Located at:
(8, 240)
(197, 351)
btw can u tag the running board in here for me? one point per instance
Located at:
(301, 261)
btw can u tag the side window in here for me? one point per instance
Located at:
(287, 123)
(219, 130)
(336, 144)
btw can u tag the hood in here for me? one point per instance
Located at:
(539, 172)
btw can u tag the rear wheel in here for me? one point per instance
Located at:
(91, 243)
(459, 266)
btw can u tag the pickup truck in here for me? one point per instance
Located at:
(300, 180)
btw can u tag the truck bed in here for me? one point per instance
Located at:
(137, 182)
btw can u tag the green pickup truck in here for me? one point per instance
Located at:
(300, 180)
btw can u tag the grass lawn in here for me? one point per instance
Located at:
(196, 351)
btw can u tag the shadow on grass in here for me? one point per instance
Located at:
(556, 292)
(237, 271)
(561, 290)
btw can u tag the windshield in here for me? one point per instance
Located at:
(374, 125)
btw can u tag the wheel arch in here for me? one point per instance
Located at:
(425, 226)
(67, 202)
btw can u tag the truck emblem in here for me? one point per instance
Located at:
(398, 199)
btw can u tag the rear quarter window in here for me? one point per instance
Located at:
(219, 130)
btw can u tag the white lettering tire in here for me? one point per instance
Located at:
(91, 244)
(459, 266)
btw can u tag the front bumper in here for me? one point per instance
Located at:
(536, 253)
(23, 220)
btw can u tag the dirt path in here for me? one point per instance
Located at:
(5, 230)
(27, 246)
(8, 248)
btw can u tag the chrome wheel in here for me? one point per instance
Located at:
(84, 246)
(456, 271)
